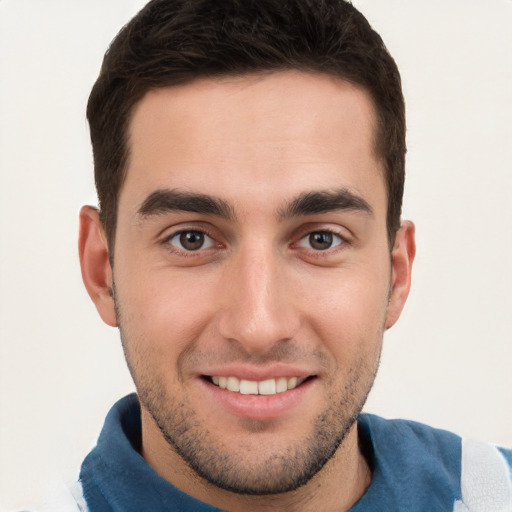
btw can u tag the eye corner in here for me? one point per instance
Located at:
(321, 240)
(185, 241)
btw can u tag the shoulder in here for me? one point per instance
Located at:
(409, 440)
(61, 496)
(416, 459)
(66, 497)
(486, 477)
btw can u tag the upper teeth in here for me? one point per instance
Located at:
(253, 387)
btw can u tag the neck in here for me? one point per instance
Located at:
(336, 487)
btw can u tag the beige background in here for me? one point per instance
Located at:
(449, 360)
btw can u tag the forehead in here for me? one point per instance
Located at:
(278, 133)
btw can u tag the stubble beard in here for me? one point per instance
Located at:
(233, 469)
(236, 471)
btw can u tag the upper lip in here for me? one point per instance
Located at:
(257, 373)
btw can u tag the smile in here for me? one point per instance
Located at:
(253, 387)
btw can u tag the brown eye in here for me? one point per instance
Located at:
(321, 240)
(191, 240)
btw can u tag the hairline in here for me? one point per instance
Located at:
(219, 78)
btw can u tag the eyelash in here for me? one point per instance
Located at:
(187, 253)
(332, 234)
(339, 242)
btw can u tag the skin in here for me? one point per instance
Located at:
(257, 296)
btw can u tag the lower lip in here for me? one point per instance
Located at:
(258, 407)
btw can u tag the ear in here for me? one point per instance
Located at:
(402, 257)
(95, 264)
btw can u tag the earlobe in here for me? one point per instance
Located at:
(95, 264)
(402, 258)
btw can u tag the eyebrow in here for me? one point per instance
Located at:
(325, 201)
(167, 200)
(308, 203)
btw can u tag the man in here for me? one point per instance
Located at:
(249, 162)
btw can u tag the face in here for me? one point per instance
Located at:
(252, 273)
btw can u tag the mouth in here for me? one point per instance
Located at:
(262, 395)
(253, 387)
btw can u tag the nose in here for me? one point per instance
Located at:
(258, 308)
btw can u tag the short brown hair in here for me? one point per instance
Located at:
(172, 42)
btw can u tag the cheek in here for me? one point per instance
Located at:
(166, 310)
(348, 311)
